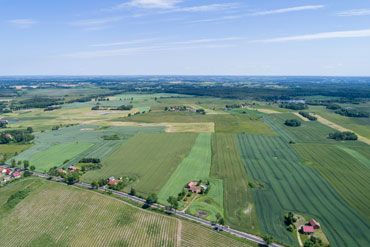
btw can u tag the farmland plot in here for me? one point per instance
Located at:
(78, 134)
(297, 188)
(347, 175)
(150, 157)
(58, 215)
(194, 236)
(240, 211)
(308, 132)
(194, 167)
(57, 154)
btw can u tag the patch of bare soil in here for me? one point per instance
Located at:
(201, 214)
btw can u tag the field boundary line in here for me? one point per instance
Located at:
(340, 128)
(179, 232)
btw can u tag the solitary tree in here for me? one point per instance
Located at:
(26, 164)
(152, 198)
(32, 168)
(94, 184)
(221, 221)
(13, 163)
(132, 192)
(268, 239)
(173, 202)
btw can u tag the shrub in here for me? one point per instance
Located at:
(292, 123)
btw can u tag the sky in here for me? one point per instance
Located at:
(185, 37)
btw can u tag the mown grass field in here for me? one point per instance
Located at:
(57, 154)
(346, 174)
(195, 166)
(291, 186)
(240, 212)
(150, 157)
(78, 135)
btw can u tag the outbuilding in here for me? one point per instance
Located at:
(314, 224)
(307, 229)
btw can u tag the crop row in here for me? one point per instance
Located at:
(294, 187)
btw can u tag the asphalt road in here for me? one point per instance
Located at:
(244, 235)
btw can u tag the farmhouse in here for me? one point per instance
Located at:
(16, 175)
(9, 136)
(3, 121)
(307, 229)
(112, 182)
(314, 223)
(192, 187)
(8, 172)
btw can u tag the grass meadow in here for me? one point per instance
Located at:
(150, 157)
(291, 186)
(57, 154)
(240, 212)
(79, 136)
(195, 166)
(346, 174)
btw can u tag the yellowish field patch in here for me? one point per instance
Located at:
(301, 117)
(267, 111)
(170, 127)
(341, 128)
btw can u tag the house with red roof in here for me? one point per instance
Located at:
(314, 223)
(1, 169)
(307, 229)
(8, 172)
(112, 182)
(16, 175)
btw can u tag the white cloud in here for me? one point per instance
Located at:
(327, 35)
(206, 8)
(148, 4)
(23, 23)
(200, 41)
(286, 10)
(96, 22)
(131, 42)
(354, 12)
(222, 18)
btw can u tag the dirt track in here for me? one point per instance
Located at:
(340, 128)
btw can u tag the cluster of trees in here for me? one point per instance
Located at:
(293, 123)
(90, 160)
(91, 166)
(308, 116)
(16, 136)
(36, 102)
(313, 242)
(124, 108)
(294, 106)
(289, 220)
(343, 136)
(111, 138)
(3, 124)
(333, 106)
(352, 113)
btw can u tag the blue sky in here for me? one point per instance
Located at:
(185, 37)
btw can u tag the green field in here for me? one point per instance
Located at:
(291, 186)
(309, 131)
(78, 134)
(57, 154)
(346, 174)
(196, 166)
(150, 157)
(358, 125)
(54, 214)
(240, 212)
